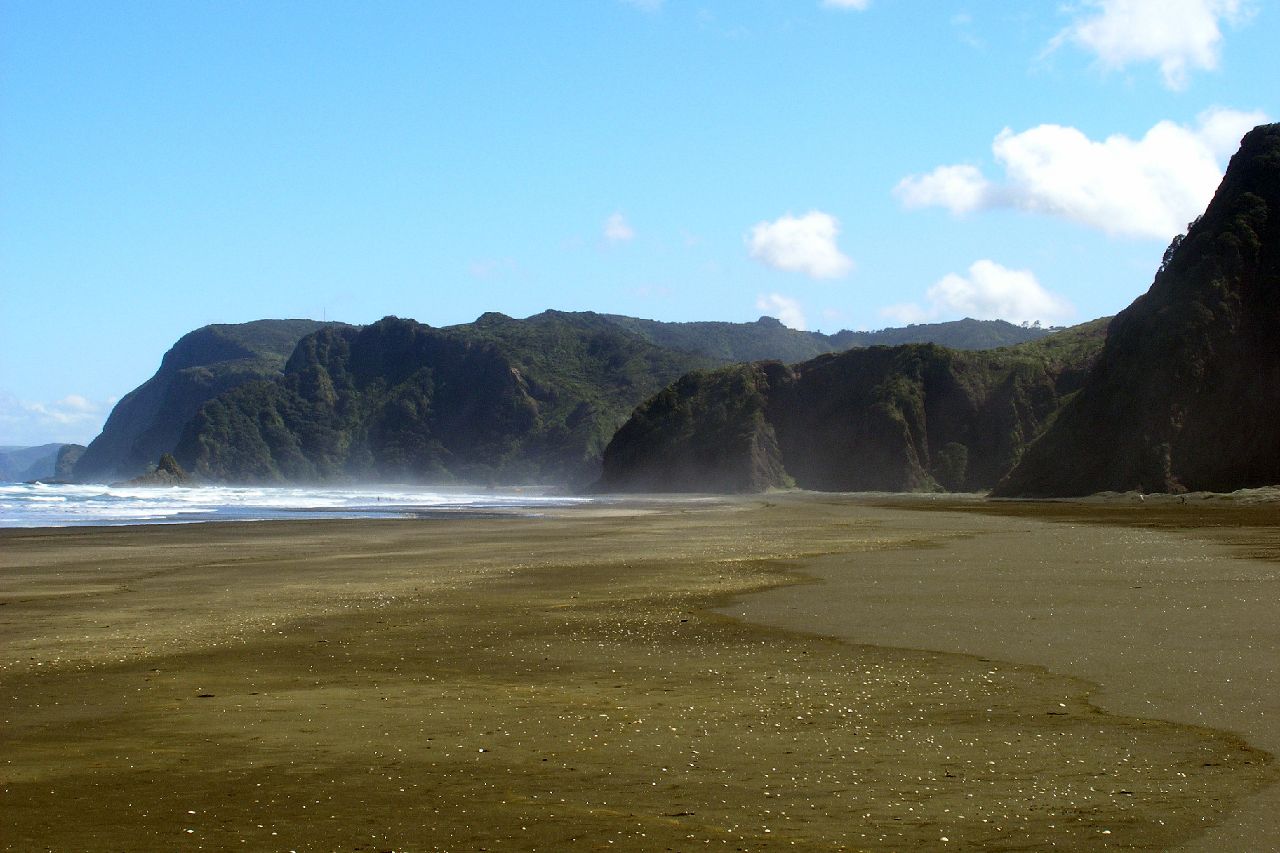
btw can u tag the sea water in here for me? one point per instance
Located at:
(62, 505)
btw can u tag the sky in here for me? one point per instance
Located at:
(833, 163)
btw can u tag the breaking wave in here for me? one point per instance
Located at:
(62, 505)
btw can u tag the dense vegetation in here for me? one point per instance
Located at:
(498, 400)
(201, 365)
(1186, 391)
(460, 414)
(907, 418)
(966, 334)
(768, 339)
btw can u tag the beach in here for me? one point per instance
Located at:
(791, 671)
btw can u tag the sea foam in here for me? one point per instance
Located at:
(62, 505)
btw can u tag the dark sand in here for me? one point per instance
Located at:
(566, 682)
(1168, 607)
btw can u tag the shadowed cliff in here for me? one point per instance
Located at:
(908, 418)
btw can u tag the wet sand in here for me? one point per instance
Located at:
(1168, 607)
(586, 680)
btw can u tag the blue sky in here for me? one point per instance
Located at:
(836, 163)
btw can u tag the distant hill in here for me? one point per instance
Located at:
(148, 420)
(906, 418)
(498, 400)
(1186, 392)
(45, 462)
(966, 334)
(216, 360)
(768, 339)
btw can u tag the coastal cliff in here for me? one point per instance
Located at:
(1185, 393)
(201, 365)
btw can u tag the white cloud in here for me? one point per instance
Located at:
(805, 244)
(856, 5)
(959, 189)
(989, 292)
(71, 419)
(784, 308)
(618, 230)
(1148, 187)
(1181, 36)
(1221, 129)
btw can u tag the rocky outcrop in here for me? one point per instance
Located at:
(166, 473)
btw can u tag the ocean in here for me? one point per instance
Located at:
(60, 505)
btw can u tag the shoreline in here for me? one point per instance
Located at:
(417, 627)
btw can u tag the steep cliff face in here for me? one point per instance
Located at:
(148, 420)
(1186, 392)
(909, 418)
(64, 465)
(499, 400)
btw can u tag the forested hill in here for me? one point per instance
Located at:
(907, 418)
(202, 364)
(768, 339)
(545, 349)
(498, 400)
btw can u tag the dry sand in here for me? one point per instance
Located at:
(566, 682)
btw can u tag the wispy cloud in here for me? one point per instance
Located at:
(1148, 187)
(988, 292)
(804, 244)
(73, 418)
(853, 5)
(1180, 36)
(784, 308)
(617, 229)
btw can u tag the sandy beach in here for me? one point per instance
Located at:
(788, 672)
